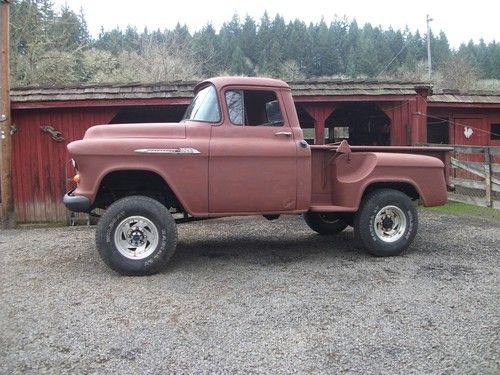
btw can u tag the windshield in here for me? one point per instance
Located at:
(204, 106)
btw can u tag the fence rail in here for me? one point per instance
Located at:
(475, 173)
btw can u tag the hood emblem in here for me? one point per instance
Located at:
(181, 150)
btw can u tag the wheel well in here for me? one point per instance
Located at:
(120, 184)
(403, 187)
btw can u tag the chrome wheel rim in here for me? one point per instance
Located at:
(136, 237)
(390, 224)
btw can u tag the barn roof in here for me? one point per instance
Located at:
(183, 89)
(466, 97)
(110, 91)
(328, 87)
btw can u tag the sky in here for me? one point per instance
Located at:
(460, 20)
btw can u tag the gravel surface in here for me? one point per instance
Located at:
(244, 295)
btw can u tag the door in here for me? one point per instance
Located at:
(253, 162)
(470, 132)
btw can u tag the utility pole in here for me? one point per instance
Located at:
(429, 61)
(8, 220)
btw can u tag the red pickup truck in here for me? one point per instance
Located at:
(239, 150)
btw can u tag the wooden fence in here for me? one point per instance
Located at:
(475, 173)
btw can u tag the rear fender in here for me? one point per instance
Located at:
(356, 173)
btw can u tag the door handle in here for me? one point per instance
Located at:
(286, 134)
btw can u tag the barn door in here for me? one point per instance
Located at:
(470, 132)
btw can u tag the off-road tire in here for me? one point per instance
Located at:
(155, 215)
(374, 234)
(324, 223)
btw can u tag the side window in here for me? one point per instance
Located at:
(254, 108)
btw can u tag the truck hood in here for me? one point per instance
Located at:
(156, 130)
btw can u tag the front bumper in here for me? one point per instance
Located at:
(76, 203)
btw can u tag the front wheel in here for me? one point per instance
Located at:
(386, 222)
(325, 223)
(136, 235)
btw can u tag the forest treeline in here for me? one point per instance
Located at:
(53, 46)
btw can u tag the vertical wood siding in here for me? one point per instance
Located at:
(39, 162)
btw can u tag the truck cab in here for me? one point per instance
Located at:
(255, 137)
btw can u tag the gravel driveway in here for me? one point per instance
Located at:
(245, 295)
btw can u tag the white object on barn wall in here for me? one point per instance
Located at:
(468, 132)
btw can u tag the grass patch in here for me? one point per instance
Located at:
(41, 224)
(464, 209)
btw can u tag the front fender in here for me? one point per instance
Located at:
(185, 174)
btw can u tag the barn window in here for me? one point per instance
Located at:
(341, 132)
(437, 130)
(495, 132)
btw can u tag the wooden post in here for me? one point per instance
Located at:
(487, 177)
(320, 113)
(8, 220)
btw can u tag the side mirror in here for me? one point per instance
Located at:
(273, 111)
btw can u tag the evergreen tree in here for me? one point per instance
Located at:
(229, 39)
(298, 45)
(132, 40)
(239, 63)
(111, 41)
(206, 50)
(416, 50)
(49, 45)
(264, 40)
(397, 46)
(248, 39)
(366, 53)
(353, 42)
(440, 49)
(68, 31)
(338, 38)
(493, 70)
(179, 38)
(276, 48)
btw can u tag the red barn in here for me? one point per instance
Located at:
(464, 118)
(365, 112)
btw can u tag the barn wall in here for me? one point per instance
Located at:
(398, 114)
(39, 163)
(479, 120)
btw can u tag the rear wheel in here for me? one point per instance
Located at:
(325, 223)
(386, 222)
(136, 236)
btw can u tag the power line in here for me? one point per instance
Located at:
(395, 57)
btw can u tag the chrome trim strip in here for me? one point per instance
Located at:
(181, 150)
